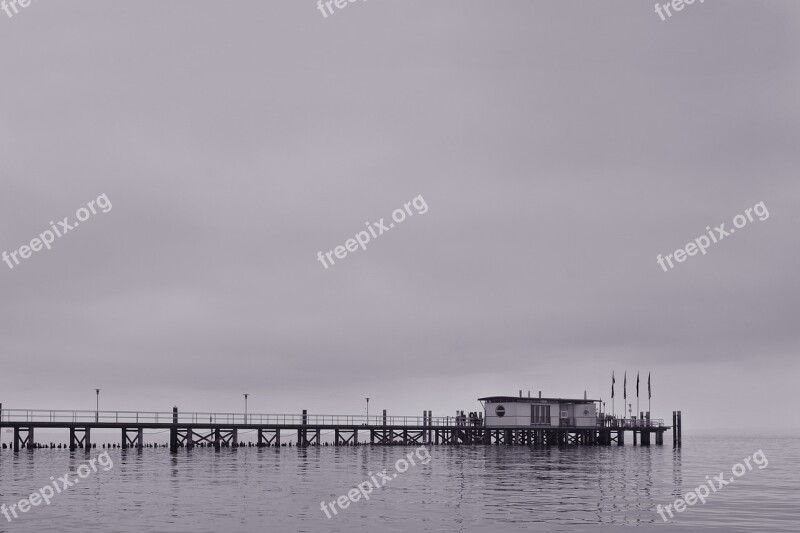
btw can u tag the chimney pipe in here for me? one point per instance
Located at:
(520, 393)
(584, 395)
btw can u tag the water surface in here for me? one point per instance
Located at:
(466, 488)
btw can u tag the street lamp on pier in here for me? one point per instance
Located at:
(97, 407)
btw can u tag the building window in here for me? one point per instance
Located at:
(540, 414)
(500, 411)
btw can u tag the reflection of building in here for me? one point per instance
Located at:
(512, 411)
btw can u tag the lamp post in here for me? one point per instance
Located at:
(97, 407)
(245, 407)
(367, 410)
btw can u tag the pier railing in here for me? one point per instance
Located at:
(168, 417)
(631, 423)
(258, 419)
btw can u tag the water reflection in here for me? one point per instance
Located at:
(463, 488)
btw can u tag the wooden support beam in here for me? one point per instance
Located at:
(674, 428)
(129, 441)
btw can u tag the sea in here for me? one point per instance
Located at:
(430, 488)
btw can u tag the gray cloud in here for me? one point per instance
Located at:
(559, 146)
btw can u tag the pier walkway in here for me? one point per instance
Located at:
(222, 429)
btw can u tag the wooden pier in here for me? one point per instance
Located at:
(187, 430)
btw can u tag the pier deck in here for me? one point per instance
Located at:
(222, 429)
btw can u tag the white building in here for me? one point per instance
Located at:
(512, 411)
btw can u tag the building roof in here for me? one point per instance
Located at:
(512, 399)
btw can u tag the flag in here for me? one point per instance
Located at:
(637, 384)
(625, 387)
(612, 384)
(649, 393)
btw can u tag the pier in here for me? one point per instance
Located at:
(187, 430)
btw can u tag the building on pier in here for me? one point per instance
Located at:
(538, 412)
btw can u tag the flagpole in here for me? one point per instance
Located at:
(613, 381)
(624, 393)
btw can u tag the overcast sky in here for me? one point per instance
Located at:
(559, 146)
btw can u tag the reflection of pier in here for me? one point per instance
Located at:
(188, 430)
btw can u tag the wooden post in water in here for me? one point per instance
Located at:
(173, 431)
(680, 443)
(429, 431)
(302, 438)
(674, 429)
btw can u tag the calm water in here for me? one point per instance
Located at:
(470, 488)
